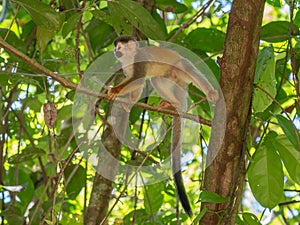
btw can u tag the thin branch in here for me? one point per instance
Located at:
(68, 84)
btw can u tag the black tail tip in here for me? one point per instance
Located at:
(189, 212)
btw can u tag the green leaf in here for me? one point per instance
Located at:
(76, 182)
(266, 177)
(250, 219)
(265, 78)
(13, 214)
(276, 31)
(42, 14)
(127, 13)
(44, 35)
(208, 40)
(171, 6)
(26, 195)
(70, 24)
(100, 34)
(64, 113)
(141, 217)
(33, 103)
(289, 129)
(239, 221)
(26, 155)
(289, 155)
(103, 16)
(207, 196)
(275, 3)
(199, 216)
(153, 197)
(297, 18)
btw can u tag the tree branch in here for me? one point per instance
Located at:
(68, 84)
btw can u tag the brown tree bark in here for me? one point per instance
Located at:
(102, 187)
(226, 173)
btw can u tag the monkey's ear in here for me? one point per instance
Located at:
(132, 44)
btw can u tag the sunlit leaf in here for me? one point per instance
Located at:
(250, 219)
(276, 3)
(265, 79)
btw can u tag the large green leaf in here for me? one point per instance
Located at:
(264, 78)
(297, 18)
(70, 24)
(289, 155)
(127, 13)
(266, 176)
(44, 35)
(76, 180)
(153, 197)
(276, 31)
(48, 21)
(208, 40)
(289, 130)
(23, 178)
(100, 34)
(42, 14)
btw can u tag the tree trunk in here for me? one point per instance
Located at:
(226, 173)
(102, 187)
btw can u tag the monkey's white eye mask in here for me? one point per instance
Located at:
(127, 49)
(118, 50)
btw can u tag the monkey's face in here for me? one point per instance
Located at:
(125, 51)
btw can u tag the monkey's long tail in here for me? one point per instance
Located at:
(176, 166)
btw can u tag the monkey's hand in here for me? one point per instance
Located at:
(112, 93)
(213, 96)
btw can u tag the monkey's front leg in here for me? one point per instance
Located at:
(127, 86)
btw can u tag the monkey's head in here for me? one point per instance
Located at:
(125, 47)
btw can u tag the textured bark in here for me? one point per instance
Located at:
(102, 187)
(225, 174)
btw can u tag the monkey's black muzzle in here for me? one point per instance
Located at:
(118, 54)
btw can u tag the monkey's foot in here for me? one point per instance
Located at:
(126, 107)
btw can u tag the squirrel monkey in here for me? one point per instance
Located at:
(170, 75)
